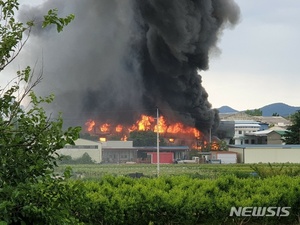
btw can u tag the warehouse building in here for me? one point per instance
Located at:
(123, 152)
(93, 148)
(267, 153)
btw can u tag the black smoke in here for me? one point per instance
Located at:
(121, 58)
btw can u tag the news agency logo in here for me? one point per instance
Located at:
(260, 211)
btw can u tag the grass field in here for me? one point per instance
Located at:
(94, 171)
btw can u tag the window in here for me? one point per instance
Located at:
(81, 146)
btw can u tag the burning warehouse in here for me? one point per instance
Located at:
(120, 60)
(173, 134)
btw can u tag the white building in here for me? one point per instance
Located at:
(255, 129)
(267, 153)
(243, 127)
(93, 148)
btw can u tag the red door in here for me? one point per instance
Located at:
(164, 157)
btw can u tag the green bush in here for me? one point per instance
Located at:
(29, 138)
(51, 201)
(270, 170)
(186, 200)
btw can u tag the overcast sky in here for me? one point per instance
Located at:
(259, 60)
(259, 63)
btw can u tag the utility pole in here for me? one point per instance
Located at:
(157, 141)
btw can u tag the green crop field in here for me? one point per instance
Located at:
(96, 171)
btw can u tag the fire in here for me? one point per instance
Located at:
(162, 127)
(102, 139)
(90, 125)
(119, 128)
(145, 123)
(105, 127)
(171, 140)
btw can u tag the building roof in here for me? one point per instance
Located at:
(273, 120)
(222, 152)
(265, 132)
(266, 146)
(259, 133)
(277, 128)
(281, 132)
(81, 141)
(235, 116)
(247, 125)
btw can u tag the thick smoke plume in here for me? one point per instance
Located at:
(121, 58)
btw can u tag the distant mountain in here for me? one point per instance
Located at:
(227, 109)
(281, 108)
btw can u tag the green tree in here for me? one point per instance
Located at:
(254, 112)
(145, 138)
(275, 114)
(292, 136)
(84, 159)
(28, 137)
(223, 145)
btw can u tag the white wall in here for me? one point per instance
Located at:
(239, 152)
(268, 154)
(117, 144)
(82, 146)
(278, 155)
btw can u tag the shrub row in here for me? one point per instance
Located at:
(164, 200)
(184, 200)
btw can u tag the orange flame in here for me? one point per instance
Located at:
(90, 125)
(105, 127)
(171, 140)
(132, 128)
(162, 127)
(119, 128)
(145, 123)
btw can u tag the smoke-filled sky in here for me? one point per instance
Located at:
(259, 60)
(254, 64)
(119, 59)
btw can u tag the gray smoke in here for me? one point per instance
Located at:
(121, 58)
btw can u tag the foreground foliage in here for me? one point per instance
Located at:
(165, 200)
(184, 200)
(29, 138)
(49, 201)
